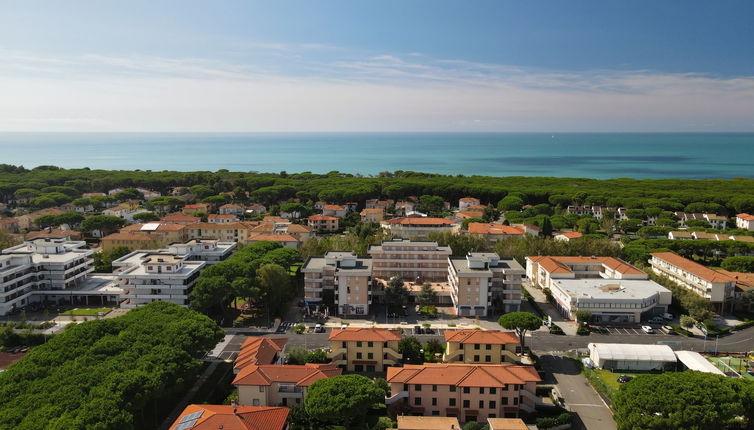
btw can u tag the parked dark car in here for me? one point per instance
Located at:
(622, 379)
(418, 329)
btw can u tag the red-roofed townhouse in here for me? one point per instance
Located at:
(480, 346)
(365, 349)
(323, 223)
(279, 385)
(231, 417)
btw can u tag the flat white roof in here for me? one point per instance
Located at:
(695, 361)
(610, 289)
(633, 352)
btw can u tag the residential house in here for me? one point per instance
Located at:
(418, 228)
(713, 285)
(90, 195)
(680, 235)
(745, 221)
(231, 417)
(469, 214)
(232, 209)
(320, 205)
(351, 206)
(482, 281)
(210, 251)
(255, 209)
(379, 204)
(716, 221)
(299, 232)
(744, 283)
(465, 202)
(279, 384)
(372, 215)
(287, 240)
(148, 194)
(404, 207)
(568, 236)
(230, 232)
(506, 424)
(346, 275)
(494, 232)
(136, 240)
(334, 210)
(480, 346)
(470, 392)
(365, 349)
(26, 221)
(323, 223)
(179, 218)
(193, 208)
(54, 233)
(410, 260)
(221, 219)
(162, 232)
(260, 350)
(10, 225)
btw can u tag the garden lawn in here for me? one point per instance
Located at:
(611, 378)
(87, 311)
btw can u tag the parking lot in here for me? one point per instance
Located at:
(621, 330)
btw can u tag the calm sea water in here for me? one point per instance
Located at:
(594, 155)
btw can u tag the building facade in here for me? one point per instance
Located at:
(713, 285)
(410, 260)
(346, 275)
(482, 281)
(480, 347)
(279, 384)
(148, 276)
(365, 349)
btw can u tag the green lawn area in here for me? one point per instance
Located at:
(610, 378)
(738, 364)
(87, 311)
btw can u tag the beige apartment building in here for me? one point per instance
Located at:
(480, 346)
(470, 392)
(410, 260)
(715, 286)
(229, 232)
(323, 223)
(482, 282)
(365, 349)
(343, 272)
(419, 228)
(279, 385)
(375, 215)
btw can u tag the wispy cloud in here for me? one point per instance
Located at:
(294, 90)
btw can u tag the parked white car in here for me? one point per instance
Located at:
(647, 329)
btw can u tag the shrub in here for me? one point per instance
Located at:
(583, 330)
(555, 329)
(549, 422)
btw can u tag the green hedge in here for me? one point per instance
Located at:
(549, 422)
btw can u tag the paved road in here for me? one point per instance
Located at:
(580, 397)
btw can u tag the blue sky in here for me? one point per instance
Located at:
(377, 66)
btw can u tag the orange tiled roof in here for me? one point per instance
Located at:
(494, 337)
(559, 264)
(421, 221)
(693, 267)
(220, 216)
(468, 199)
(179, 217)
(740, 238)
(571, 234)
(463, 375)
(470, 214)
(334, 208)
(266, 374)
(230, 417)
(272, 238)
(231, 206)
(322, 218)
(372, 211)
(494, 229)
(365, 335)
(128, 236)
(298, 228)
(745, 217)
(744, 281)
(259, 350)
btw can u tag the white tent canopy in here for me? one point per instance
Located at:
(695, 361)
(630, 356)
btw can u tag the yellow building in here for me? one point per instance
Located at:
(279, 385)
(365, 349)
(480, 346)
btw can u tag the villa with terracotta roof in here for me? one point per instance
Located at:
(402, 208)
(494, 232)
(259, 350)
(286, 240)
(231, 209)
(480, 346)
(222, 219)
(190, 209)
(470, 392)
(163, 232)
(334, 210)
(745, 221)
(270, 226)
(465, 202)
(375, 215)
(281, 384)
(418, 228)
(231, 417)
(131, 240)
(568, 236)
(379, 204)
(179, 218)
(230, 232)
(323, 223)
(365, 349)
(713, 285)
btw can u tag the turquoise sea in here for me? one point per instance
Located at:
(594, 155)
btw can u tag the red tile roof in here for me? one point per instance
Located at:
(221, 216)
(334, 208)
(272, 238)
(322, 218)
(421, 221)
(693, 267)
(559, 264)
(468, 199)
(180, 218)
(365, 335)
(266, 374)
(463, 375)
(571, 234)
(494, 337)
(494, 229)
(372, 211)
(229, 417)
(259, 350)
(745, 217)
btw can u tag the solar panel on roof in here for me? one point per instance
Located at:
(190, 417)
(186, 425)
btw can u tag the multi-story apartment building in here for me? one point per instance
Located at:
(494, 232)
(334, 210)
(418, 228)
(300, 232)
(482, 280)
(410, 260)
(279, 384)
(542, 270)
(465, 202)
(375, 215)
(480, 346)
(230, 232)
(136, 240)
(470, 392)
(745, 221)
(154, 275)
(323, 223)
(365, 349)
(222, 218)
(713, 285)
(349, 277)
(208, 250)
(231, 209)
(42, 269)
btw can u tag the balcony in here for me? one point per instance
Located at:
(291, 392)
(396, 397)
(393, 353)
(336, 354)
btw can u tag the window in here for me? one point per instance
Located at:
(435, 413)
(358, 356)
(476, 358)
(481, 390)
(488, 347)
(451, 401)
(487, 358)
(515, 400)
(452, 388)
(358, 344)
(434, 401)
(370, 355)
(261, 388)
(476, 346)
(384, 344)
(505, 387)
(466, 390)
(481, 404)
(504, 401)
(492, 404)
(417, 387)
(493, 390)
(370, 344)
(255, 402)
(405, 387)
(417, 401)
(434, 387)
(491, 416)
(466, 404)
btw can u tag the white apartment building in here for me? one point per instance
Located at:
(410, 260)
(208, 250)
(483, 281)
(155, 275)
(745, 221)
(713, 285)
(50, 271)
(611, 300)
(542, 270)
(343, 272)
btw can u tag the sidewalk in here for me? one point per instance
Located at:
(569, 327)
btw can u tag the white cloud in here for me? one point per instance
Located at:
(378, 93)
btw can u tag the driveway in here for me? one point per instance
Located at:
(579, 396)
